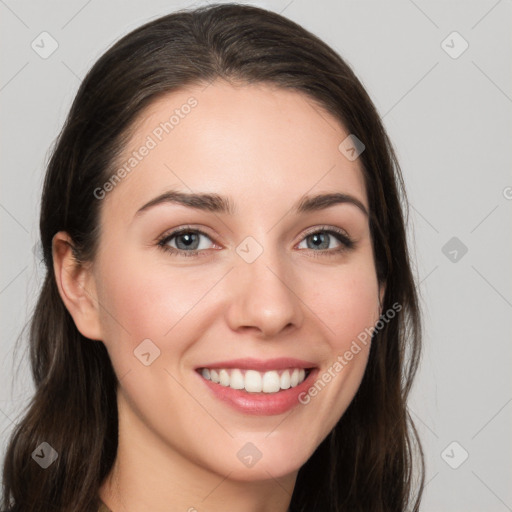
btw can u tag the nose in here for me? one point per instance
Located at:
(263, 297)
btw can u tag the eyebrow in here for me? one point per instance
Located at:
(219, 204)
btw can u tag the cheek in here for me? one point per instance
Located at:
(347, 302)
(139, 300)
(344, 302)
(143, 298)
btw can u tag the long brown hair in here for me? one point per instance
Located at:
(365, 463)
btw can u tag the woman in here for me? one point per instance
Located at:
(228, 318)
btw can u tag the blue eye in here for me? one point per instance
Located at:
(321, 238)
(188, 242)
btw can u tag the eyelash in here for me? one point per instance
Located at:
(341, 236)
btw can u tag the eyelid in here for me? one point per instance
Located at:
(347, 242)
(327, 228)
(171, 233)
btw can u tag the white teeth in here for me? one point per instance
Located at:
(256, 382)
(285, 380)
(237, 380)
(252, 381)
(224, 378)
(294, 379)
(271, 382)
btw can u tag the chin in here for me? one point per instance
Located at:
(262, 460)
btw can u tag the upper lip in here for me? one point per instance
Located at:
(250, 363)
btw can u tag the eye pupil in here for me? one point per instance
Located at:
(190, 240)
(322, 243)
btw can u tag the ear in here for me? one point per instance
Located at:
(382, 292)
(76, 287)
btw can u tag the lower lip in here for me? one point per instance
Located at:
(261, 403)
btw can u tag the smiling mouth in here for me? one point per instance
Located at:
(253, 381)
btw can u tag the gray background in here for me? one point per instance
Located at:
(450, 120)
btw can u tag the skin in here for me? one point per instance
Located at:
(265, 148)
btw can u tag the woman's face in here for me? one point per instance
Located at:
(260, 293)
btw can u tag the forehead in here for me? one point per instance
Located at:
(258, 143)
